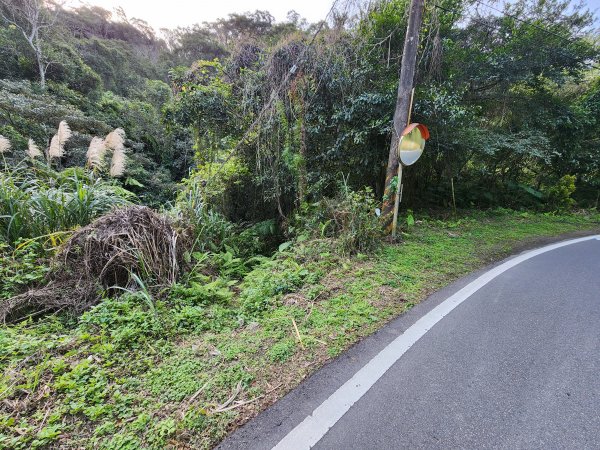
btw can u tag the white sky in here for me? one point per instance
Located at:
(173, 13)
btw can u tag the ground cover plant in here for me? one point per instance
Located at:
(184, 368)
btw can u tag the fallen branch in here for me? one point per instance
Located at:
(186, 404)
(222, 407)
(198, 392)
(297, 333)
(238, 404)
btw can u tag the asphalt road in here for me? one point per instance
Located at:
(515, 364)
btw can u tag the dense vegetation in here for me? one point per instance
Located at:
(180, 211)
(279, 111)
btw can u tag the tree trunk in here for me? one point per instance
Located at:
(405, 85)
(39, 56)
(36, 45)
(42, 71)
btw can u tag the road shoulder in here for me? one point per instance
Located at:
(270, 426)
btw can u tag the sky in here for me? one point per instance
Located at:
(174, 13)
(593, 5)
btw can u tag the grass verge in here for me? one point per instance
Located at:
(185, 370)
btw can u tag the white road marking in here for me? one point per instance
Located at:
(314, 427)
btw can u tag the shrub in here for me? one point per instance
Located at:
(220, 182)
(210, 229)
(559, 195)
(201, 294)
(349, 218)
(214, 232)
(258, 239)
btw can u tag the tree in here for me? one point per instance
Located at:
(190, 44)
(243, 26)
(32, 18)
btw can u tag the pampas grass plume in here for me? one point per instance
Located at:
(96, 152)
(115, 140)
(4, 144)
(55, 150)
(57, 144)
(33, 151)
(117, 164)
(64, 132)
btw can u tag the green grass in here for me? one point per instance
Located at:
(206, 357)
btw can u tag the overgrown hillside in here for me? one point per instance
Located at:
(231, 337)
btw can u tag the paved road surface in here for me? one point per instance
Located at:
(516, 364)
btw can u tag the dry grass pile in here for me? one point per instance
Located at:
(114, 250)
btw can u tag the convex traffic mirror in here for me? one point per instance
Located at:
(412, 143)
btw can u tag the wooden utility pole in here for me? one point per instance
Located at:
(401, 114)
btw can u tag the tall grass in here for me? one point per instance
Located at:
(211, 230)
(37, 201)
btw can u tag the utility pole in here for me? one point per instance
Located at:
(403, 100)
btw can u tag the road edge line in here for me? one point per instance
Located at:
(310, 431)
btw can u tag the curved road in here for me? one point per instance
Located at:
(507, 358)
